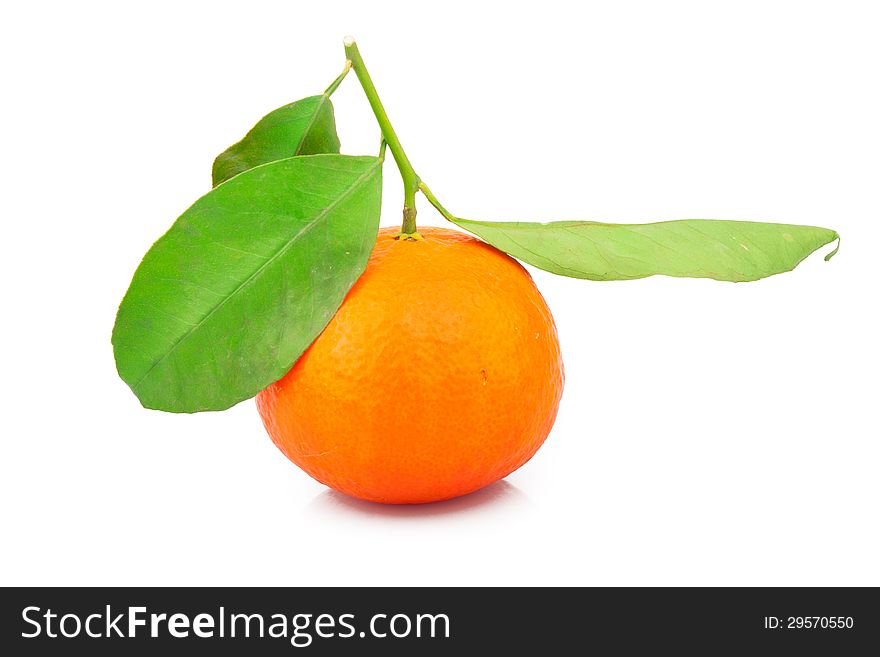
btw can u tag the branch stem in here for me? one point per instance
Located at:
(407, 173)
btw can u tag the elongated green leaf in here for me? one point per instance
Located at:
(306, 127)
(697, 248)
(243, 282)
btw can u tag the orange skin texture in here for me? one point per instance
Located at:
(439, 375)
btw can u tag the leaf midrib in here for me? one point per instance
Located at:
(302, 140)
(357, 182)
(580, 223)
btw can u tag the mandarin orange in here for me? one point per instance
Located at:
(439, 375)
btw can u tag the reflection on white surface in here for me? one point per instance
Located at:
(500, 495)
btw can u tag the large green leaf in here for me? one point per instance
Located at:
(699, 248)
(243, 282)
(306, 127)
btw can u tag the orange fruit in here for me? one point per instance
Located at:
(439, 375)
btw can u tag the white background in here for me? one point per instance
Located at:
(709, 433)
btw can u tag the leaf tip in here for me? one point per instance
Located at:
(836, 249)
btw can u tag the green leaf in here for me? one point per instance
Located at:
(243, 282)
(697, 248)
(306, 127)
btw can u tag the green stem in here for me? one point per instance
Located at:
(407, 173)
(433, 201)
(329, 91)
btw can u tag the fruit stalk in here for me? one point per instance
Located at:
(407, 173)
